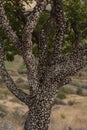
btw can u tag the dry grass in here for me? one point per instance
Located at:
(61, 116)
(74, 116)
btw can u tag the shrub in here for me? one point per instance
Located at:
(6, 93)
(67, 90)
(71, 102)
(1, 82)
(79, 91)
(61, 95)
(62, 116)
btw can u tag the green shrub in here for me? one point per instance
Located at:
(2, 109)
(79, 91)
(61, 95)
(1, 81)
(22, 70)
(62, 116)
(6, 93)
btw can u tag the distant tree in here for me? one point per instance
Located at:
(61, 51)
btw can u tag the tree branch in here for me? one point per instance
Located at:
(59, 16)
(27, 44)
(9, 81)
(43, 48)
(72, 64)
(4, 23)
(33, 18)
(77, 59)
(32, 22)
(58, 74)
(77, 34)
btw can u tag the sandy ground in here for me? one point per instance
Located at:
(62, 116)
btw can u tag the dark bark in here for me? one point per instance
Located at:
(46, 76)
(38, 117)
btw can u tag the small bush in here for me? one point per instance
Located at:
(76, 84)
(6, 93)
(2, 109)
(22, 70)
(71, 102)
(79, 91)
(62, 116)
(1, 81)
(67, 90)
(80, 74)
(61, 95)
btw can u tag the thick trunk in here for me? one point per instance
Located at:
(39, 115)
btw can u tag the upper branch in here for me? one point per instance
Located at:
(9, 81)
(33, 18)
(43, 48)
(27, 43)
(72, 64)
(4, 23)
(59, 16)
(77, 33)
(77, 59)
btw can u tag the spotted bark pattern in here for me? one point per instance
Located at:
(59, 16)
(50, 73)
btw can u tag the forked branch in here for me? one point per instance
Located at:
(34, 17)
(72, 64)
(27, 43)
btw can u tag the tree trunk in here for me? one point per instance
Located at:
(39, 115)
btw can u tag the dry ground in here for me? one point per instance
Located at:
(74, 116)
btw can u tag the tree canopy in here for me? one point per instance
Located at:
(75, 20)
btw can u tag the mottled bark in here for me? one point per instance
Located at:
(38, 117)
(59, 16)
(46, 77)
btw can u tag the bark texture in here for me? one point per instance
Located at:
(39, 115)
(52, 70)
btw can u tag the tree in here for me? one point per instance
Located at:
(54, 65)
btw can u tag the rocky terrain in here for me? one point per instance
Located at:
(70, 107)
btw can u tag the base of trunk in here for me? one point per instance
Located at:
(38, 117)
